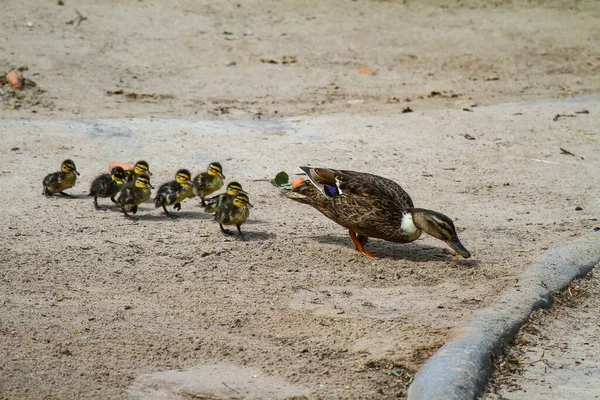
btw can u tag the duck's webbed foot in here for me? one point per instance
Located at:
(360, 241)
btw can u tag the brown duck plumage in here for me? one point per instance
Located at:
(372, 206)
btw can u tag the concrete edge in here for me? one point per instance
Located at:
(461, 369)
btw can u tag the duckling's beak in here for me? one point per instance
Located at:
(148, 173)
(250, 205)
(152, 187)
(221, 175)
(458, 247)
(76, 172)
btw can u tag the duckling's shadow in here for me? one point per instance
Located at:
(254, 236)
(68, 196)
(398, 251)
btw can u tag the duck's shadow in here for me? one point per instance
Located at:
(399, 251)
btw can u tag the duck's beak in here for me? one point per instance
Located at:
(152, 187)
(458, 247)
(148, 173)
(250, 205)
(77, 173)
(221, 175)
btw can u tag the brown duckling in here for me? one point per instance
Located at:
(208, 182)
(233, 211)
(174, 192)
(133, 195)
(56, 182)
(108, 185)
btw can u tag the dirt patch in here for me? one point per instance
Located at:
(220, 381)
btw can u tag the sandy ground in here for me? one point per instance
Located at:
(92, 305)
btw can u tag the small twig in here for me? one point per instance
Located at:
(564, 151)
(557, 116)
(80, 19)
(230, 388)
(544, 161)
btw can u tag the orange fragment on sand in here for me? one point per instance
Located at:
(364, 70)
(15, 78)
(116, 163)
(297, 182)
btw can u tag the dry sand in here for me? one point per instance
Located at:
(91, 304)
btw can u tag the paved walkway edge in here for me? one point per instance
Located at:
(461, 369)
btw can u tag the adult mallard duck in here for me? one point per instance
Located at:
(372, 206)
(64, 179)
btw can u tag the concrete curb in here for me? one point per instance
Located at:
(460, 369)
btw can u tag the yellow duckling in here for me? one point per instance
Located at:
(108, 185)
(209, 181)
(174, 192)
(59, 181)
(233, 212)
(214, 202)
(140, 167)
(133, 195)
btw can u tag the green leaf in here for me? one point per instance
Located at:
(282, 180)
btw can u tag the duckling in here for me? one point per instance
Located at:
(209, 181)
(214, 202)
(140, 167)
(372, 206)
(133, 195)
(174, 192)
(233, 211)
(108, 185)
(58, 181)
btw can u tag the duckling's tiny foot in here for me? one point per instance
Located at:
(66, 195)
(177, 206)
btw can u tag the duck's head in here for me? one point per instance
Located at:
(242, 200)
(142, 167)
(143, 182)
(183, 177)
(69, 166)
(215, 169)
(117, 174)
(234, 188)
(440, 226)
